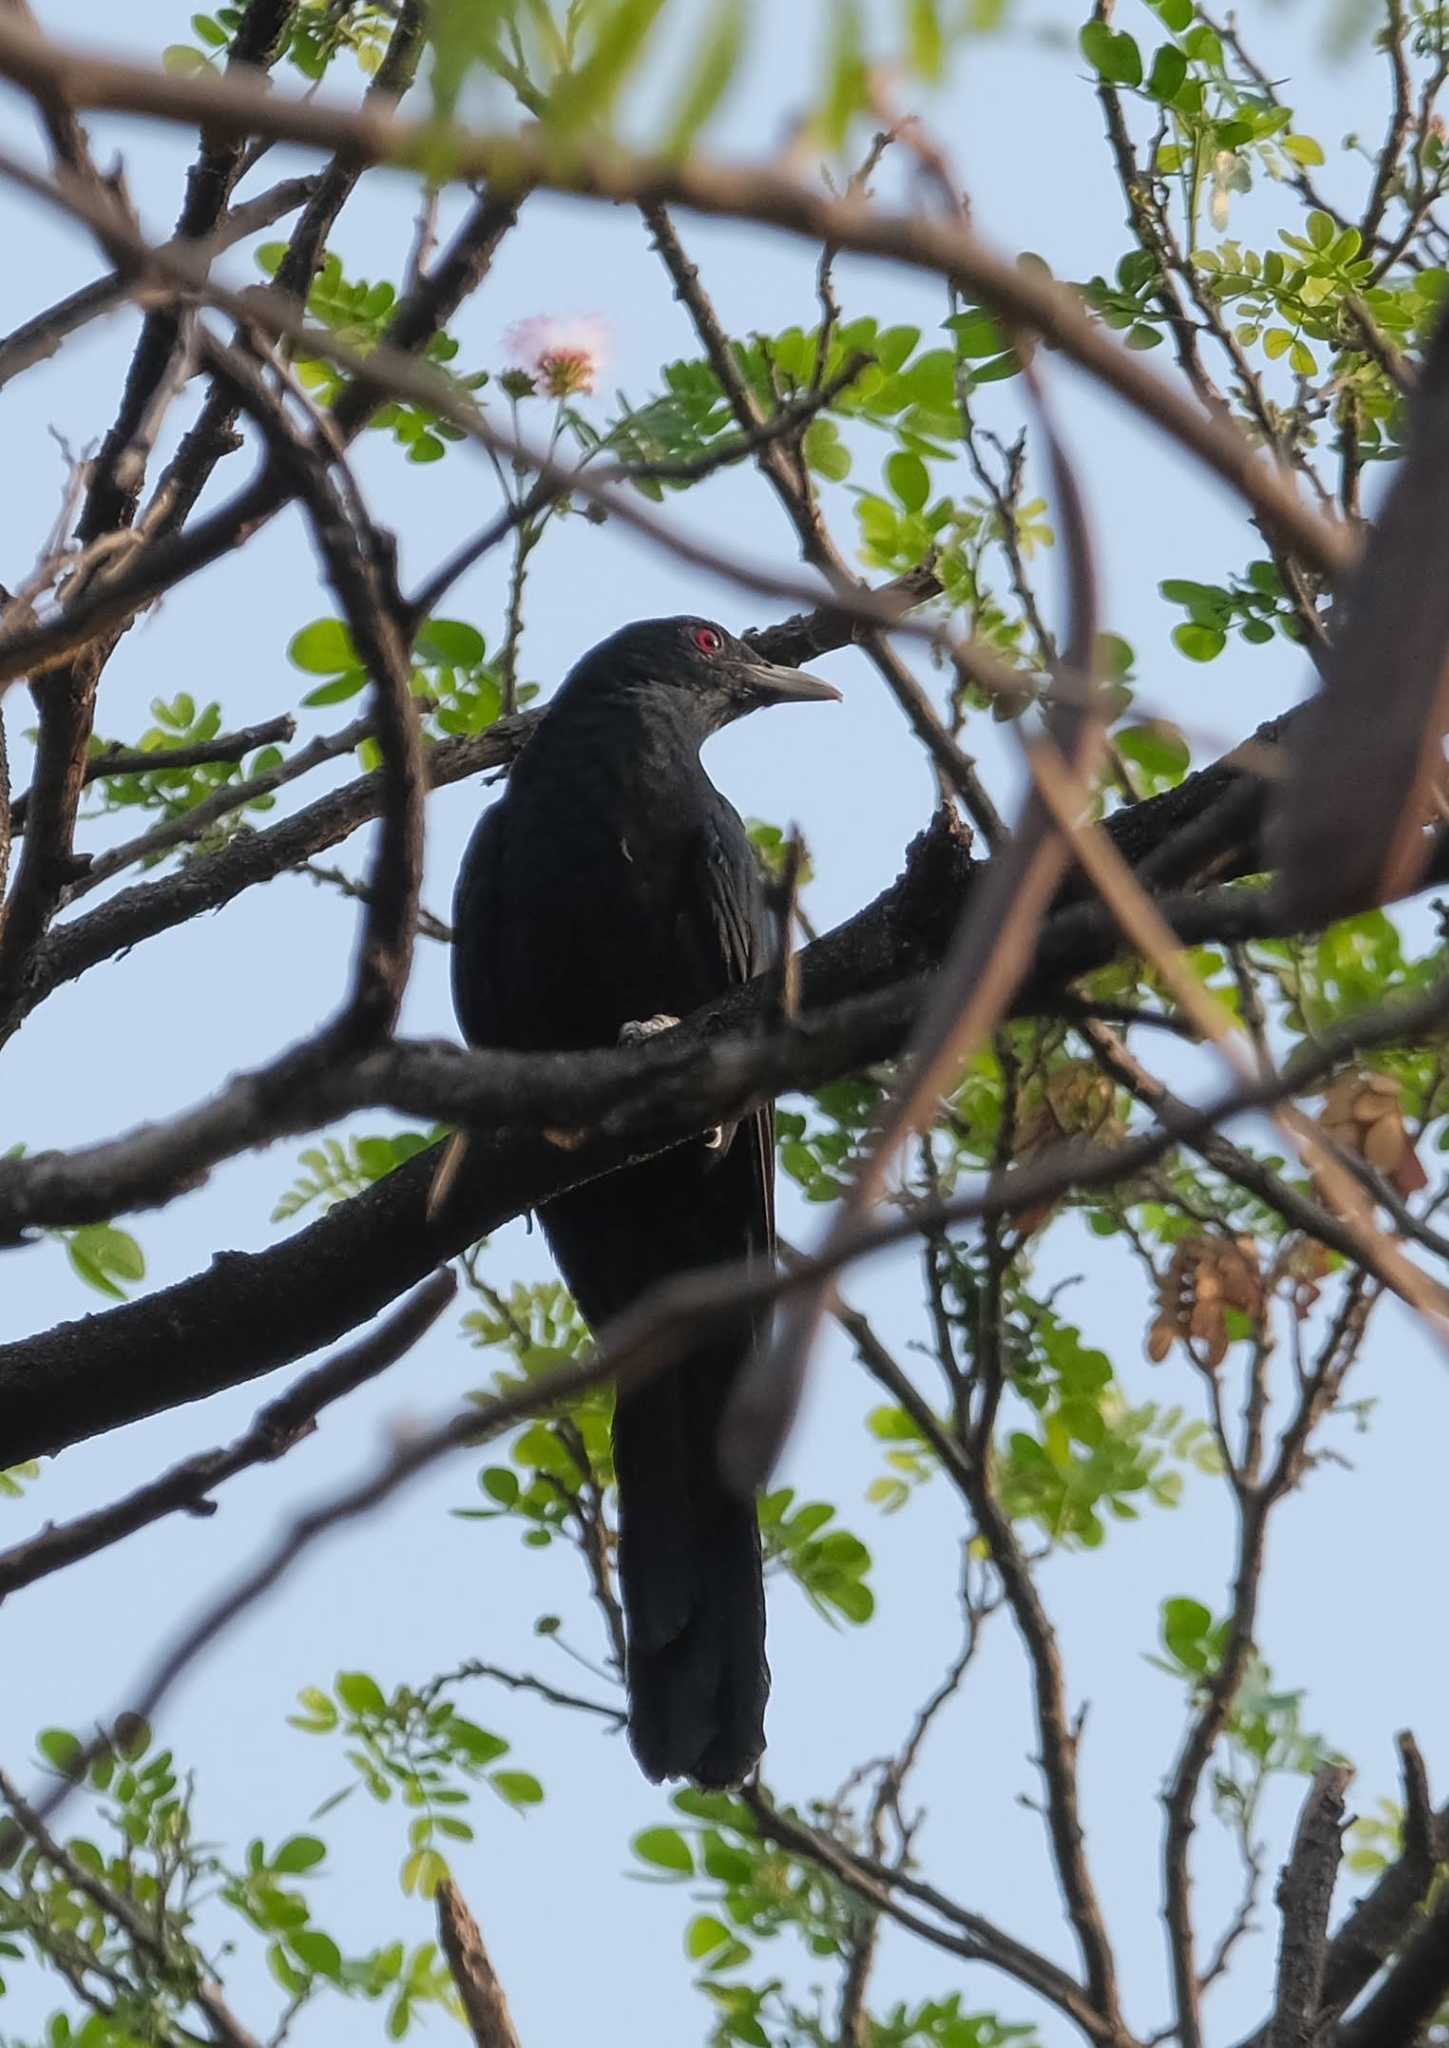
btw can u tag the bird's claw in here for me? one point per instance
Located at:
(641, 1031)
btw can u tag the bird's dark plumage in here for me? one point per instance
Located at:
(612, 883)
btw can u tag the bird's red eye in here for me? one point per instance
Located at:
(707, 640)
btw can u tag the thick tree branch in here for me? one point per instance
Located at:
(1413, 1989)
(1305, 1893)
(1382, 1917)
(254, 1311)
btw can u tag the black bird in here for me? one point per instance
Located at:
(612, 887)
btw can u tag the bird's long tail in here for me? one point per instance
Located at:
(690, 1575)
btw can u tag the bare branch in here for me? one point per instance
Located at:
(360, 567)
(966, 1934)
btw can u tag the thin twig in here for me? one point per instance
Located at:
(283, 1423)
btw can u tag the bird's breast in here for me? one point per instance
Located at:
(594, 894)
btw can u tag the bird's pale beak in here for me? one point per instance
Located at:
(775, 684)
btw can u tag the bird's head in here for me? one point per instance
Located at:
(701, 665)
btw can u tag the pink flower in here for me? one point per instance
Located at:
(563, 356)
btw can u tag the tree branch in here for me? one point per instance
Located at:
(1305, 1893)
(484, 2005)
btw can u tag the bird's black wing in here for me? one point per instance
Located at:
(732, 902)
(478, 984)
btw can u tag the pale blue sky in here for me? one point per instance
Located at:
(412, 1590)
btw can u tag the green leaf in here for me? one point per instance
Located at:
(1169, 69)
(519, 1788)
(478, 1745)
(1303, 149)
(587, 93)
(317, 1952)
(359, 1693)
(825, 452)
(132, 1736)
(666, 1849)
(1321, 229)
(1112, 54)
(451, 641)
(324, 648)
(101, 1255)
(706, 1936)
(61, 1750)
(423, 1872)
(1158, 749)
(182, 61)
(301, 1852)
(1186, 1625)
(1302, 360)
(1173, 14)
(909, 479)
(845, 87)
(925, 39)
(1199, 643)
(710, 75)
(1276, 342)
(977, 334)
(893, 347)
(338, 690)
(321, 1714)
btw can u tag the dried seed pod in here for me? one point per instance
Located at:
(1207, 1277)
(1363, 1113)
(1303, 1262)
(1075, 1100)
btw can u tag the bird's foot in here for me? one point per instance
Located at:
(640, 1032)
